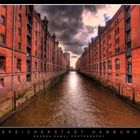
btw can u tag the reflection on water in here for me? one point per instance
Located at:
(76, 102)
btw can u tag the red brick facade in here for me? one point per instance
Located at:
(113, 57)
(29, 54)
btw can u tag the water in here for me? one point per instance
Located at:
(76, 102)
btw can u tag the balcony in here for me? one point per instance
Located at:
(127, 16)
(127, 9)
(128, 27)
(29, 32)
(128, 52)
(129, 73)
(28, 57)
(128, 39)
(30, 11)
(29, 21)
(28, 42)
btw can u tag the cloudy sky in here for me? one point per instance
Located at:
(74, 25)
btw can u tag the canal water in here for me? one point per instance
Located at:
(76, 102)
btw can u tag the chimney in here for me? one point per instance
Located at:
(54, 36)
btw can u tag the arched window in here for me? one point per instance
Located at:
(2, 63)
(104, 65)
(117, 64)
(109, 65)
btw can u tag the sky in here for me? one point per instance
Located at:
(75, 25)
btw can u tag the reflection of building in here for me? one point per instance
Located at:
(67, 57)
(28, 52)
(113, 57)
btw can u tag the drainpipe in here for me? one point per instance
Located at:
(13, 44)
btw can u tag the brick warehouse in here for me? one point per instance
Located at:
(113, 56)
(29, 55)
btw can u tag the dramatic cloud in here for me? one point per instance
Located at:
(67, 23)
(74, 25)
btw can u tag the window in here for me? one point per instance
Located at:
(2, 20)
(109, 65)
(129, 79)
(128, 35)
(97, 67)
(36, 65)
(35, 52)
(117, 50)
(20, 7)
(116, 21)
(19, 64)
(117, 64)
(28, 51)
(128, 24)
(129, 61)
(110, 36)
(19, 17)
(129, 45)
(104, 67)
(115, 32)
(29, 21)
(1, 83)
(28, 66)
(44, 67)
(2, 39)
(36, 34)
(36, 43)
(2, 63)
(19, 46)
(35, 75)
(29, 31)
(127, 10)
(36, 24)
(19, 79)
(118, 30)
(28, 41)
(117, 41)
(128, 53)
(28, 77)
(19, 31)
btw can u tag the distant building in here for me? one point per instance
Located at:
(67, 57)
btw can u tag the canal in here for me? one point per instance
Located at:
(76, 102)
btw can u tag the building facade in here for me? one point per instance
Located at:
(113, 56)
(67, 57)
(29, 54)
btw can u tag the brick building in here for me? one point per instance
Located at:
(113, 56)
(29, 54)
(67, 57)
